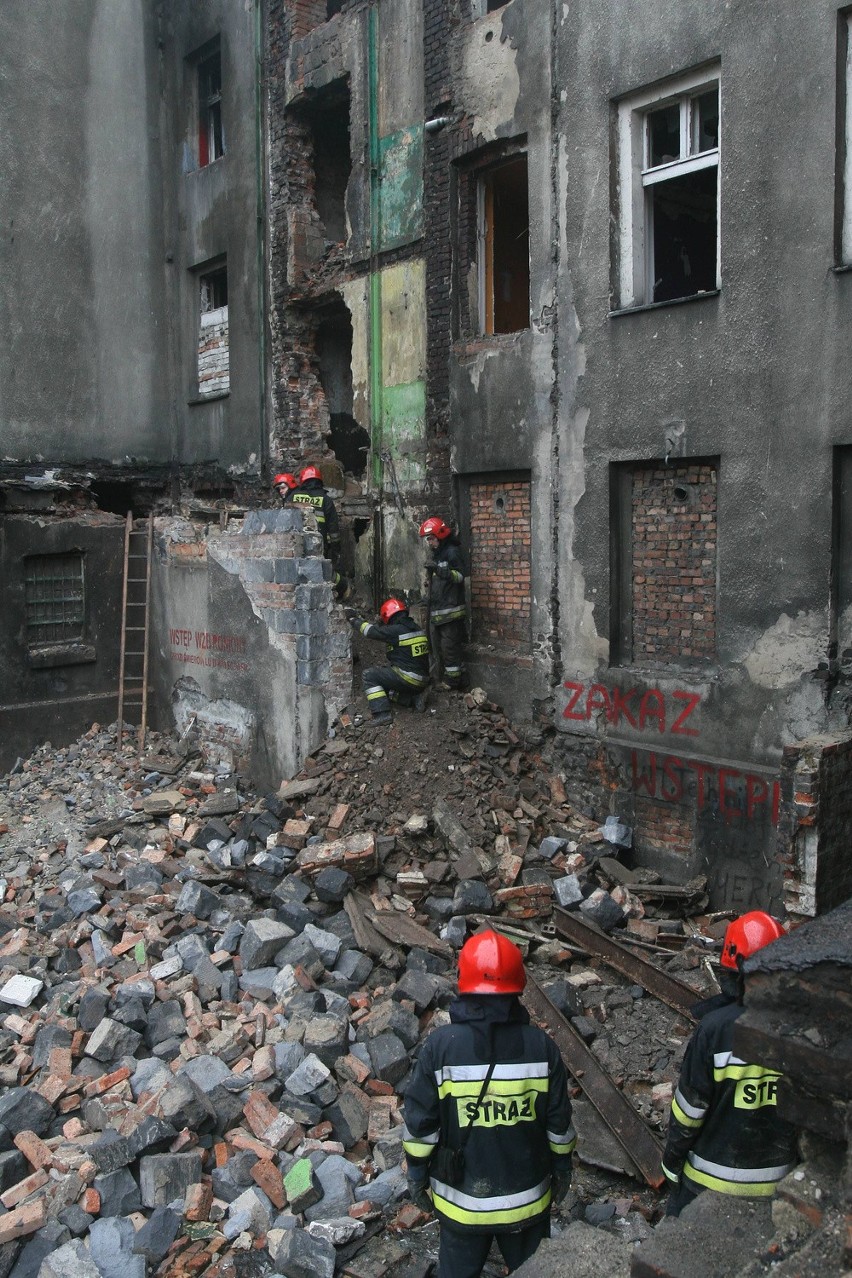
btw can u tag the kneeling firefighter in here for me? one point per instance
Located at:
(406, 679)
(724, 1132)
(487, 1118)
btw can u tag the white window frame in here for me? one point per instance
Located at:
(846, 226)
(636, 177)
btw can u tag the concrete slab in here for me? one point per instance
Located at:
(714, 1237)
(581, 1251)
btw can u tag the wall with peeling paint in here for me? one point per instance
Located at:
(757, 377)
(108, 217)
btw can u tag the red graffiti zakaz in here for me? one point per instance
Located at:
(642, 711)
(663, 777)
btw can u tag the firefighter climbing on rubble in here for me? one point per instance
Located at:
(487, 1118)
(285, 484)
(724, 1132)
(406, 679)
(447, 608)
(311, 492)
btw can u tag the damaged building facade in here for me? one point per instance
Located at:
(578, 281)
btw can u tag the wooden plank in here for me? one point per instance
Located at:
(635, 1138)
(403, 930)
(664, 987)
(368, 940)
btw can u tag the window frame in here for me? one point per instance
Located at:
(215, 271)
(637, 178)
(844, 220)
(485, 236)
(207, 126)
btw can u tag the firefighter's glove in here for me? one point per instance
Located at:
(353, 619)
(560, 1183)
(420, 1195)
(442, 569)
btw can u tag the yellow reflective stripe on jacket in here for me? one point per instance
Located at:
(496, 1087)
(562, 1142)
(508, 1209)
(739, 1189)
(685, 1114)
(420, 1146)
(744, 1182)
(441, 615)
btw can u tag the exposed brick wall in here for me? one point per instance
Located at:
(816, 817)
(663, 827)
(673, 596)
(213, 352)
(500, 561)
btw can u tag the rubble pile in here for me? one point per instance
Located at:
(210, 1001)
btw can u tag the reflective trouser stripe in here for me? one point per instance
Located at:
(416, 680)
(441, 616)
(669, 1175)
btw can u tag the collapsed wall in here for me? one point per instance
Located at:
(246, 647)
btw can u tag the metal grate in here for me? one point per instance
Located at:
(55, 599)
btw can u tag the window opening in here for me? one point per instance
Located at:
(846, 149)
(54, 598)
(328, 118)
(680, 181)
(211, 138)
(669, 147)
(349, 440)
(213, 333)
(504, 248)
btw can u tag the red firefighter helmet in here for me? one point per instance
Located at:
(491, 964)
(285, 478)
(310, 472)
(390, 608)
(748, 934)
(435, 527)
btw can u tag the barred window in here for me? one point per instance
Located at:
(55, 598)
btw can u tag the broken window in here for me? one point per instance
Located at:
(845, 148)
(54, 598)
(504, 248)
(328, 117)
(349, 440)
(213, 368)
(669, 183)
(211, 139)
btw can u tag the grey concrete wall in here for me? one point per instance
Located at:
(500, 386)
(212, 212)
(58, 702)
(760, 377)
(245, 642)
(106, 220)
(83, 328)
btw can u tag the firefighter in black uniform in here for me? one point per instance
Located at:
(406, 679)
(447, 606)
(493, 1087)
(311, 492)
(724, 1130)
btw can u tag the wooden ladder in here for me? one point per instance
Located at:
(135, 602)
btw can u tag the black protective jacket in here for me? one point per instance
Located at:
(312, 494)
(446, 591)
(407, 647)
(725, 1132)
(522, 1131)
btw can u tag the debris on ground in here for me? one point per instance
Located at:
(211, 1000)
